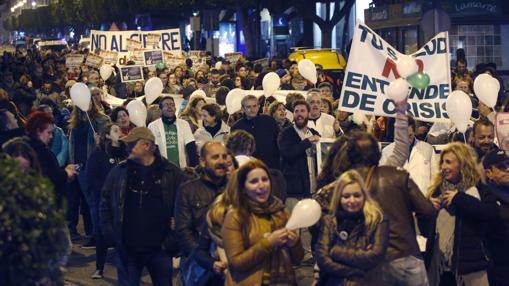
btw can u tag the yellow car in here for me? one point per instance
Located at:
(329, 59)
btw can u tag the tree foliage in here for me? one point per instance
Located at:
(30, 228)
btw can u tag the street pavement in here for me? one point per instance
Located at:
(82, 265)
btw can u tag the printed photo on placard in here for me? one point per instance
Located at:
(131, 73)
(74, 60)
(322, 150)
(153, 57)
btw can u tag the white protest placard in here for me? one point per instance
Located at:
(138, 57)
(502, 127)
(153, 57)
(233, 58)
(372, 67)
(131, 73)
(109, 57)
(94, 61)
(117, 41)
(133, 44)
(173, 60)
(153, 40)
(74, 60)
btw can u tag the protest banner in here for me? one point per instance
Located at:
(117, 41)
(131, 73)
(372, 67)
(502, 126)
(153, 57)
(94, 61)
(74, 60)
(264, 62)
(233, 57)
(109, 57)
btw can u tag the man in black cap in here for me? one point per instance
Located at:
(137, 209)
(496, 168)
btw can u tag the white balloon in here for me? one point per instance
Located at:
(80, 95)
(486, 88)
(308, 70)
(234, 100)
(270, 83)
(459, 109)
(218, 65)
(407, 66)
(398, 90)
(305, 214)
(153, 89)
(359, 118)
(105, 71)
(137, 112)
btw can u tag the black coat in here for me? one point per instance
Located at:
(194, 198)
(294, 161)
(49, 167)
(265, 131)
(24, 99)
(10, 134)
(472, 218)
(112, 205)
(498, 238)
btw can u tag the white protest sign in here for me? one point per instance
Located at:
(173, 60)
(94, 61)
(117, 41)
(74, 60)
(502, 126)
(133, 44)
(233, 58)
(109, 57)
(372, 66)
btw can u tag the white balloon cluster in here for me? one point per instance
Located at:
(305, 214)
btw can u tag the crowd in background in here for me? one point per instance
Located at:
(216, 189)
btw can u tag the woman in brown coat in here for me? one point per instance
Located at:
(354, 236)
(259, 249)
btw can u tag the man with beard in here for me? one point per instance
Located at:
(195, 196)
(213, 84)
(296, 144)
(136, 210)
(173, 136)
(323, 123)
(484, 136)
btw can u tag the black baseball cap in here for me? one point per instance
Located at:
(495, 157)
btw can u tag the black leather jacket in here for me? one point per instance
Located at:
(193, 201)
(114, 193)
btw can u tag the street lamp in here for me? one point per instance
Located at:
(34, 4)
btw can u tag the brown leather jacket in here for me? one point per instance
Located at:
(246, 265)
(399, 197)
(350, 260)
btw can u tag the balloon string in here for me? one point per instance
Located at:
(92, 126)
(464, 138)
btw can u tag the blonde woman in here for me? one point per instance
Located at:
(259, 249)
(354, 237)
(456, 245)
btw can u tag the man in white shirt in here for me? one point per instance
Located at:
(422, 163)
(323, 123)
(173, 136)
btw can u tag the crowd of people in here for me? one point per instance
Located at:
(217, 189)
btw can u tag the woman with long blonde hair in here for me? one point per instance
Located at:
(456, 244)
(354, 236)
(192, 112)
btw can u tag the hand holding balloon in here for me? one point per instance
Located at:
(305, 214)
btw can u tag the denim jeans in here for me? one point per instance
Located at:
(158, 263)
(405, 271)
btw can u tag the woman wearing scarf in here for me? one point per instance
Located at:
(456, 244)
(259, 249)
(354, 236)
(120, 116)
(213, 127)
